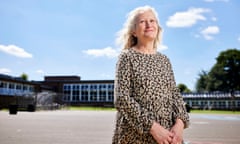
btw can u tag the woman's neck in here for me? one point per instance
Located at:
(145, 48)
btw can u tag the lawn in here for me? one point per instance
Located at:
(91, 108)
(214, 112)
(192, 111)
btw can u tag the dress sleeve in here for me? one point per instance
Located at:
(136, 116)
(179, 108)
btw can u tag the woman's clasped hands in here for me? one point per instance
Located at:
(164, 136)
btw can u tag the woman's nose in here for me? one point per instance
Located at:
(148, 23)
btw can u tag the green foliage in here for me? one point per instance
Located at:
(183, 88)
(24, 76)
(201, 85)
(224, 75)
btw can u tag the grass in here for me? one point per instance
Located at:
(192, 111)
(113, 109)
(91, 108)
(214, 112)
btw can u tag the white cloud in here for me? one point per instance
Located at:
(16, 51)
(162, 47)
(105, 52)
(187, 18)
(111, 52)
(5, 71)
(40, 71)
(209, 31)
(238, 39)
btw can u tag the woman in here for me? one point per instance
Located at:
(150, 108)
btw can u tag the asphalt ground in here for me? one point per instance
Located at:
(96, 127)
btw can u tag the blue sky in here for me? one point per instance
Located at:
(77, 37)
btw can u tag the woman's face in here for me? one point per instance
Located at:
(146, 27)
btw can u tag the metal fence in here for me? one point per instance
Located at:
(214, 100)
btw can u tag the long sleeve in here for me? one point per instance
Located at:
(179, 109)
(137, 117)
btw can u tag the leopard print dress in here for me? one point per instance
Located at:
(145, 91)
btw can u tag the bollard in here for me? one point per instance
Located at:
(13, 108)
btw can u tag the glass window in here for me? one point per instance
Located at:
(76, 92)
(102, 95)
(76, 87)
(1, 84)
(110, 86)
(93, 96)
(84, 96)
(93, 87)
(24, 87)
(74, 98)
(31, 88)
(18, 86)
(67, 87)
(11, 86)
(84, 87)
(110, 96)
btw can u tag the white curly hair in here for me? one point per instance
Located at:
(125, 37)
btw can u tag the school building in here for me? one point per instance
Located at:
(71, 90)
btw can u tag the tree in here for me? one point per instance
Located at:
(24, 76)
(183, 88)
(224, 75)
(202, 82)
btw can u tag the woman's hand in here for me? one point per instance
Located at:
(177, 131)
(160, 134)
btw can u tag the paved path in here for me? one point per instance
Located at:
(213, 129)
(96, 127)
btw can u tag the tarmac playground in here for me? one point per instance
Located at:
(96, 127)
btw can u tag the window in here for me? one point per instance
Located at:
(11, 86)
(76, 94)
(93, 96)
(93, 87)
(76, 87)
(84, 87)
(102, 86)
(67, 87)
(24, 87)
(110, 96)
(18, 87)
(74, 98)
(84, 96)
(31, 88)
(238, 103)
(3, 84)
(110, 87)
(102, 95)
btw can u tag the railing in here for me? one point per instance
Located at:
(222, 101)
(210, 95)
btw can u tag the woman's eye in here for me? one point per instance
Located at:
(152, 21)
